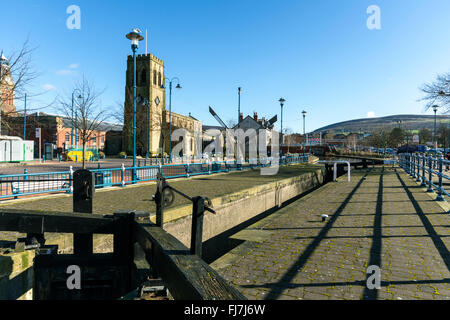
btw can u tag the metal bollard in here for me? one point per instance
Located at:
(423, 184)
(430, 174)
(71, 180)
(440, 196)
(418, 168)
(123, 175)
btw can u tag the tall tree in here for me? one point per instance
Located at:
(395, 137)
(88, 114)
(443, 135)
(17, 75)
(425, 135)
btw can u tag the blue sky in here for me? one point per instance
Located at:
(318, 55)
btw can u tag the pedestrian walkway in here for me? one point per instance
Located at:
(380, 218)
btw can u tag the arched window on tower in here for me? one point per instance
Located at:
(159, 79)
(143, 77)
(154, 77)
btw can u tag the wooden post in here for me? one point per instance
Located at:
(198, 210)
(159, 200)
(124, 247)
(83, 196)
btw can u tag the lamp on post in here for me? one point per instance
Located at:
(170, 110)
(435, 108)
(25, 120)
(144, 102)
(238, 123)
(304, 132)
(281, 101)
(135, 37)
(80, 97)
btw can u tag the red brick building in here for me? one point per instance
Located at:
(56, 130)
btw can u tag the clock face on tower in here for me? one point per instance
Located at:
(9, 80)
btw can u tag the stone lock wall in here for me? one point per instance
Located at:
(16, 275)
(234, 209)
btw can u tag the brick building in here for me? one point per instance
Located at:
(56, 130)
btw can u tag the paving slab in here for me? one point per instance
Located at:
(382, 217)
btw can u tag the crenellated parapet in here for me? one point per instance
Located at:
(149, 56)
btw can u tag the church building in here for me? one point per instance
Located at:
(152, 114)
(6, 88)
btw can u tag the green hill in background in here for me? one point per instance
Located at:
(408, 122)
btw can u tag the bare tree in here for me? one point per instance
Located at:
(287, 137)
(17, 74)
(88, 114)
(438, 93)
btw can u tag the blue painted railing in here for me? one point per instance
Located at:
(423, 168)
(26, 184)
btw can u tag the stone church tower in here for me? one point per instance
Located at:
(151, 114)
(150, 104)
(6, 87)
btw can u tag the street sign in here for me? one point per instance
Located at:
(38, 132)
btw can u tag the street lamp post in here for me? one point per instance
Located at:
(147, 104)
(435, 108)
(170, 111)
(135, 37)
(238, 123)
(239, 107)
(281, 101)
(25, 120)
(304, 130)
(79, 98)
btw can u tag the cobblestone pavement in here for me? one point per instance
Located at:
(380, 218)
(139, 197)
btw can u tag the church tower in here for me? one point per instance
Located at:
(6, 86)
(150, 105)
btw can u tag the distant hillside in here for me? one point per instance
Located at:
(408, 121)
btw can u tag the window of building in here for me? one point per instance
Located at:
(159, 79)
(154, 77)
(67, 137)
(143, 77)
(94, 139)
